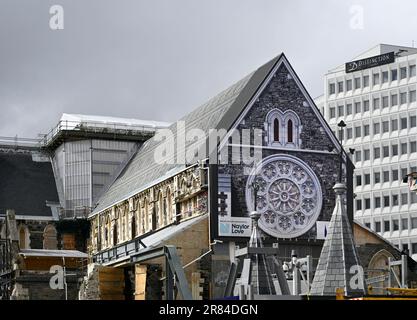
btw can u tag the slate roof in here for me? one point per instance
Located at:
(26, 185)
(338, 254)
(143, 171)
(219, 112)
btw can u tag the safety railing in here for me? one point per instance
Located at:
(96, 127)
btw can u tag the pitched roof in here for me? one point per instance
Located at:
(338, 254)
(26, 185)
(143, 171)
(220, 112)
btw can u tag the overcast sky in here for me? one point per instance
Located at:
(157, 60)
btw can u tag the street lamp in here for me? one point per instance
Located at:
(255, 187)
(341, 125)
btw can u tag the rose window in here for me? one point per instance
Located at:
(289, 196)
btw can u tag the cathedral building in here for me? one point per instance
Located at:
(261, 145)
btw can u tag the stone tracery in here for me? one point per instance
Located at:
(289, 196)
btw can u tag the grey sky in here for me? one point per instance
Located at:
(159, 59)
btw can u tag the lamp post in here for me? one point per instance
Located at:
(341, 126)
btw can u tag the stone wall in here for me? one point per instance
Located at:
(32, 285)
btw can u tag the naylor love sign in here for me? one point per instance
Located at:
(370, 62)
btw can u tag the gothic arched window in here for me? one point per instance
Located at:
(115, 238)
(289, 131)
(133, 227)
(283, 128)
(276, 130)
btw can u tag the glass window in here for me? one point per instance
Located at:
(376, 78)
(413, 223)
(412, 121)
(332, 88)
(385, 76)
(367, 177)
(404, 148)
(366, 154)
(358, 204)
(377, 226)
(332, 112)
(341, 135)
(349, 133)
(403, 73)
(403, 123)
(366, 130)
(365, 105)
(413, 146)
(413, 248)
(358, 180)
(394, 124)
(357, 83)
(394, 148)
(340, 86)
(377, 177)
(405, 246)
(413, 196)
(395, 225)
(385, 102)
(404, 172)
(377, 202)
(395, 175)
(385, 126)
(358, 155)
(377, 152)
(341, 110)
(357, 107)
(348, 85)
(385, 176)
(403, 97)
(404, 198)
(365, 81)
(376, 103)
(386, 226)
(394, 74)
(413, 96)
(404, 223)
(367, 203)
(395, 199)
(357, 132)
(394, 99)
(348, 109)
(386, 201)
(376, 128)
(412, 70)
(385, 151)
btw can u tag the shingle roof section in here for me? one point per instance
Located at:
(26, 185)
(338, 254)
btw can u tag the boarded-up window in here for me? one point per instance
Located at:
(68, 241)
